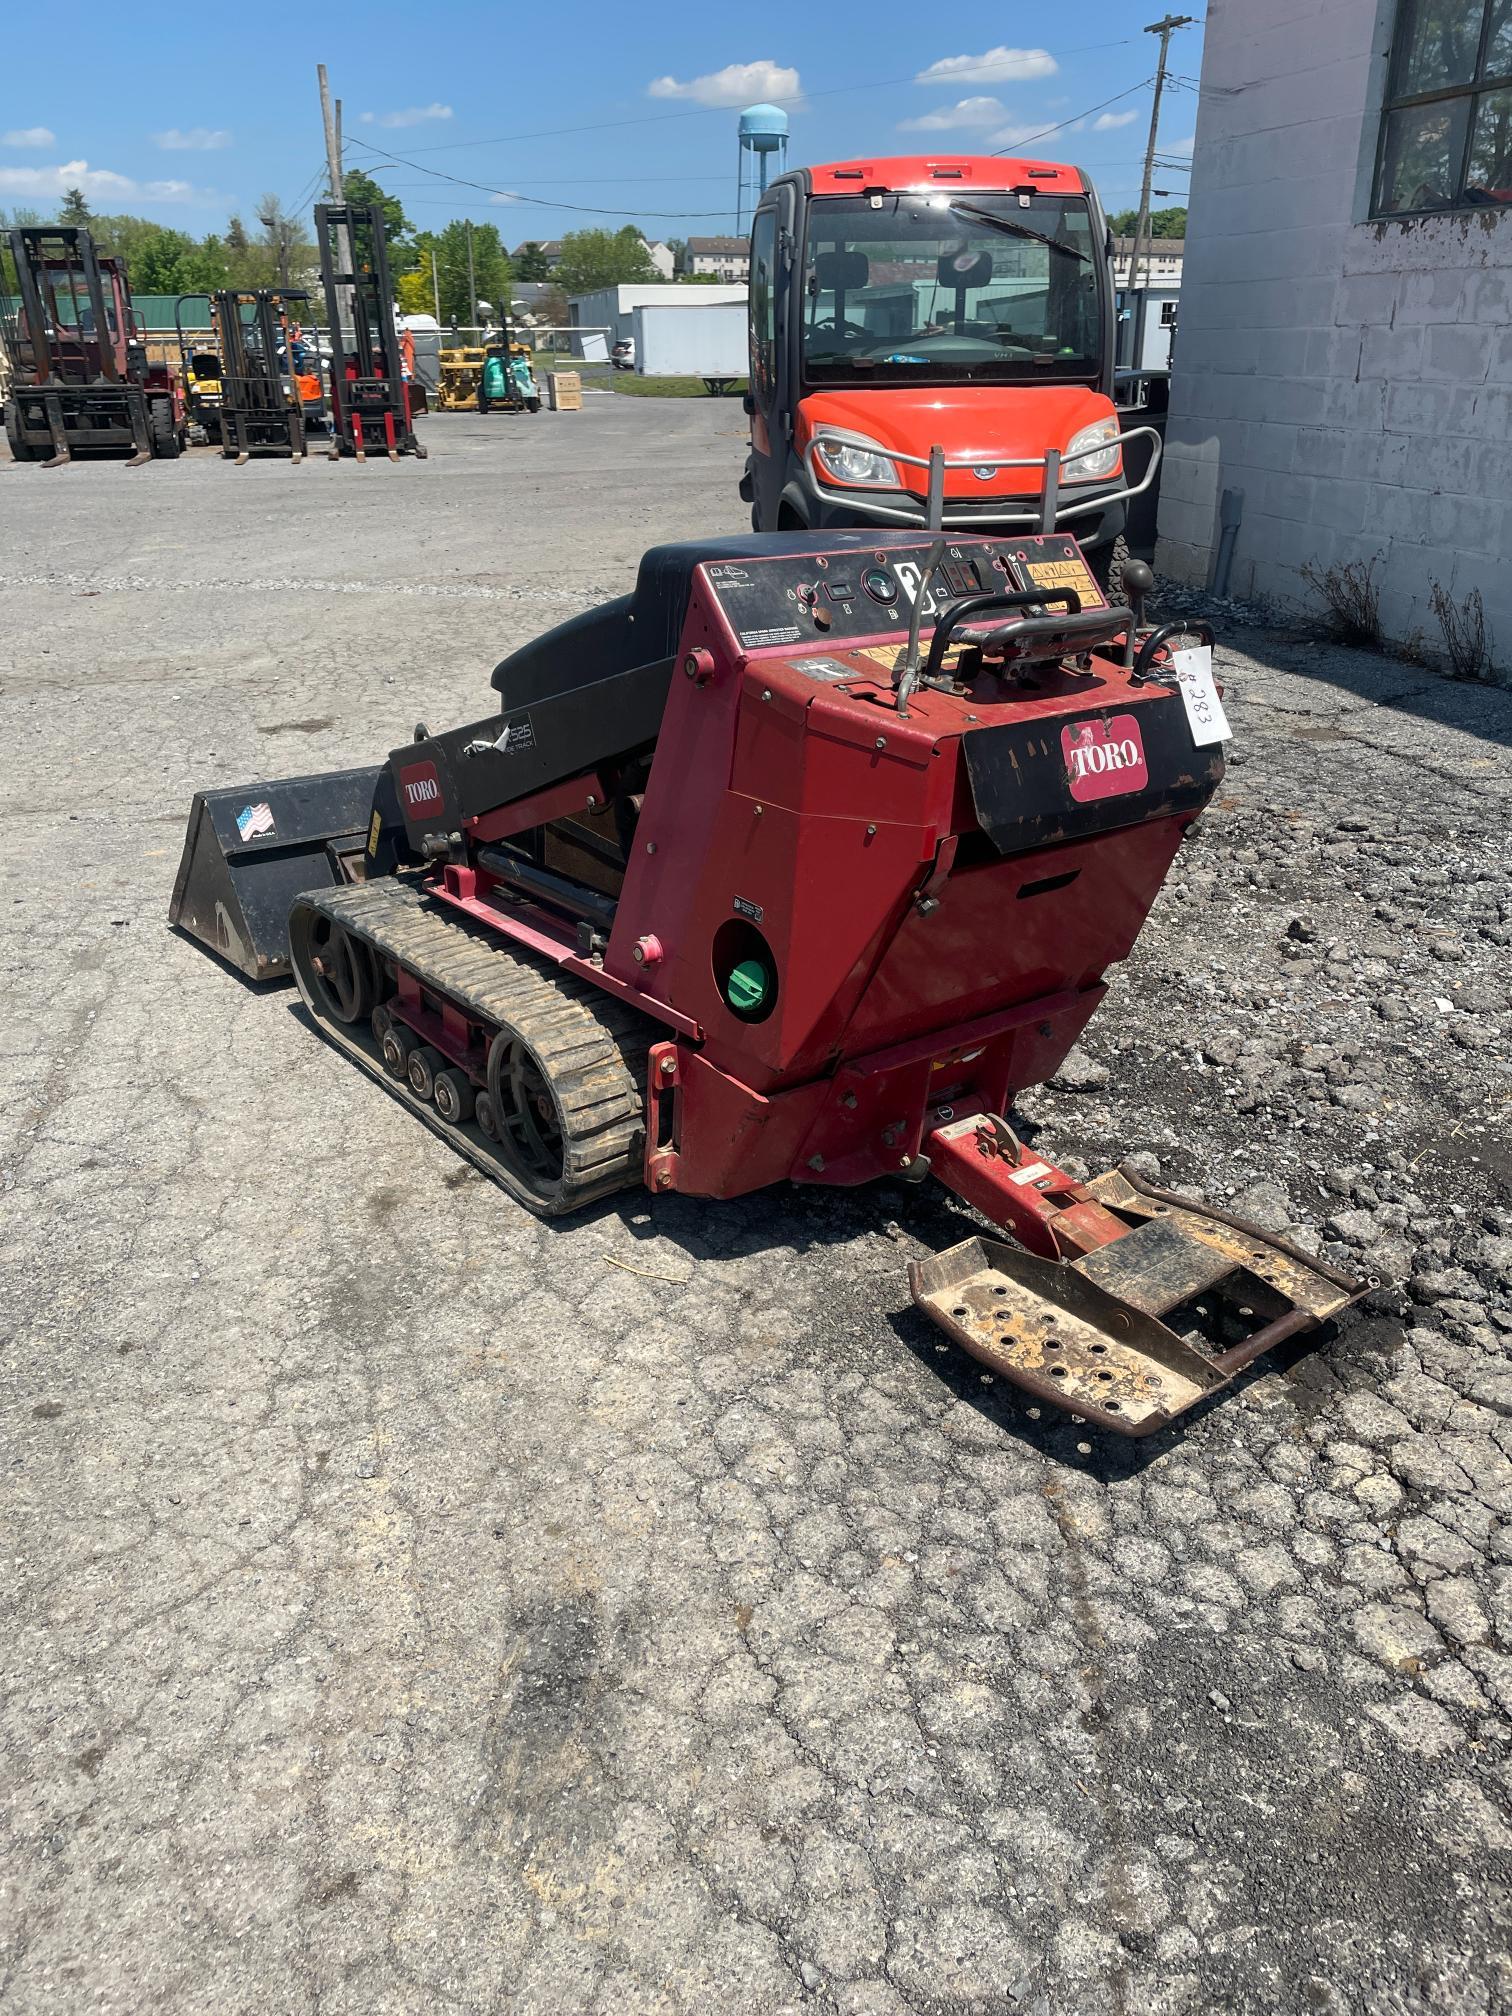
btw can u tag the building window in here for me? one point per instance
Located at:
(1446, 136)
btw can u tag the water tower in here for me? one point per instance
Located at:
(763, 134)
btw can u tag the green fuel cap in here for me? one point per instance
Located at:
(746, 988)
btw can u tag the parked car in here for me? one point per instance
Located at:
(622, 357)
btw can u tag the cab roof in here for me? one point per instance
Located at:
(928, 171)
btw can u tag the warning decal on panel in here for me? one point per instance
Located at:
(1072, 572)
(783, 633)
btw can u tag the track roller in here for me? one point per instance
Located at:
(453, 1094)
(421, 1069)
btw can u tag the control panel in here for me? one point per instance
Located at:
(820, 597)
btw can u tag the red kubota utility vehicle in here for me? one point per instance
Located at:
(796, 864)
(955, 310)
(80, 377)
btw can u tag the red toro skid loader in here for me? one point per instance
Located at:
(795, 865)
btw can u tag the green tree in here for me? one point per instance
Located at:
(360, 188)
(74, 210)
(594, 259)
(171, 262)
(490, 265)
(414, 291)
(1163, 223)
(284, 257)
(531, 262)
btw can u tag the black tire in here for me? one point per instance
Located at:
(534, 405)
(482, 400)
(167, 442)
(1108, 563)
(21, 449)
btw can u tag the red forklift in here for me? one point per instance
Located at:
(80, 377)
(932, 347)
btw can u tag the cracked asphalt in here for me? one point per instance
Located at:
(411, 1606)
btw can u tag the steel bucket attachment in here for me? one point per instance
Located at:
(250, 851)
(1173, 1305)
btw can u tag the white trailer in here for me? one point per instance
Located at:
(692, 339)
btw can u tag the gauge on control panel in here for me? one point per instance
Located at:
(880, 585)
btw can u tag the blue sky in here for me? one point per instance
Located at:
(592, 105)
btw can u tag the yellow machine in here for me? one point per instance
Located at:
(461, 375)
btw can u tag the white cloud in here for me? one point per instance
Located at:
(1106, 121)
(196, 140)
(412, 115)
(1182, 147)
(506, 196)
(29, 136)
(994, 66)
(736, 84)
(965, 112)
(41, 183)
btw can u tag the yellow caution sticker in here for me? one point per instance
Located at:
(375, 834)
(1070, 572)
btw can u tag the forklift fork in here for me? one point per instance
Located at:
(52, 406)
(1132, 1304)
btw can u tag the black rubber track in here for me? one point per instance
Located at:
(592, 1049)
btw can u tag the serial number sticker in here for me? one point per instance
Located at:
(746, 908)
(826, 670)
(1073, 573)
(783, 633)
(1204, 710)
(1030, 1173)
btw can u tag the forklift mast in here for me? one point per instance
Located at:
(259, 414)
(73, 324)
(370, 404)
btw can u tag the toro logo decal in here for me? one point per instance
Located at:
(1104, 759)
(420, 788)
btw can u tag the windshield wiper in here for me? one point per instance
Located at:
(997, 223)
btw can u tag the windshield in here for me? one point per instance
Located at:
(932, 289)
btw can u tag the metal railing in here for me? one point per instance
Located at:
(1043, 515)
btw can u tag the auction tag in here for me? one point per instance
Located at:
(1205, 715)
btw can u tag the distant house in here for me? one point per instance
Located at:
(552, 247)
(663, 258)
(1160, 262)
(727, 259)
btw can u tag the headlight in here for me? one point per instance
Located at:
(857, 461)
(1103, 463)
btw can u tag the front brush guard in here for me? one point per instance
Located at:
(1140, 1304)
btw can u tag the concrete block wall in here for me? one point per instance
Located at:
(1353, 379)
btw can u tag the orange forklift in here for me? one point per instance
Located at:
(932, 347)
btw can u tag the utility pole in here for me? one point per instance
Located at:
(1165, 30)
(472, 285)
(332, 137)
(435, 285)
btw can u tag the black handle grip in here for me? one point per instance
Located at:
(1141, 668)
(964, 612)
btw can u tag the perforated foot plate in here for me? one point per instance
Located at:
(1136, 1332)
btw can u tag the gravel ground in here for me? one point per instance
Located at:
(413, 1607)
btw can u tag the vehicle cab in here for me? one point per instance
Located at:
(961, 304)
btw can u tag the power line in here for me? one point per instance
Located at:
(1045, 131)
(600, 210)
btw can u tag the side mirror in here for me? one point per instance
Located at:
(748, 405)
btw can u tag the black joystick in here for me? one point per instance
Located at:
(1138, 580)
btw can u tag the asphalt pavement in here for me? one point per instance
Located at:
(411, 1606)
